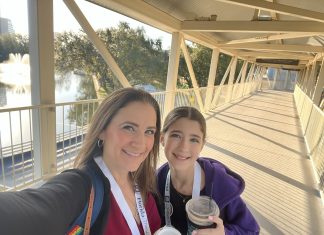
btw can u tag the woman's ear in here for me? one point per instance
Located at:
(102, 135)
(162, 139)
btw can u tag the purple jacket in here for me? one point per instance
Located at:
(227, 188)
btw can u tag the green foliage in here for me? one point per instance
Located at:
(200, 59)
(12, 43)
(142, 60)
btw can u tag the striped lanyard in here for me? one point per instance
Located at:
(121, 201)
(195, 192)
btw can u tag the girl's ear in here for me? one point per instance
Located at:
(203, 145)
(162, 139)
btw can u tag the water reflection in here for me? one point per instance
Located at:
(15, 127)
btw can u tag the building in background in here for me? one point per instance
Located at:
(6, 26)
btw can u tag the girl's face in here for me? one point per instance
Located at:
(129, 137)
(182, 143)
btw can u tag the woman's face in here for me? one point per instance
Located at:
(182, 143)
(129, 137)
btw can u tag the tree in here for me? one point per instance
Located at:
(200, 59)
(13, 43)
(142, 60)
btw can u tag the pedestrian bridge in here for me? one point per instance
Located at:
(265, 136)
(261, 138)
(274, 138)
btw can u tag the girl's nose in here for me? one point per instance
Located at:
(184, 144)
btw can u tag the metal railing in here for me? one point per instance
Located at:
(312, 122)
(18, 162)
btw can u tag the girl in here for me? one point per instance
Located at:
(183, 137)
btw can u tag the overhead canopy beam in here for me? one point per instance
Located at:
(143, 12)
(283, 66)
(278, 55)
(253, 26)
(274, 47)
(270, 37)
(279, 8)
(148, 14)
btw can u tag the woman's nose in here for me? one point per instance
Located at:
(139, 139)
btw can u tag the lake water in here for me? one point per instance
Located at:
(70, 88)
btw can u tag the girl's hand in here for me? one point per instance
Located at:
(219, 230)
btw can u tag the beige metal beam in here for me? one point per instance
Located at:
(143, 12)
(270, 37)
(253, 26)
(243, 78)
(172, 75)
(192, 74)
(211, 78)
(41, 45)
(220, 87)
(148, 14)
(101, 47)
(274, 47)
(319, 85)
(283, 66)
(279, 8)
(278, 55)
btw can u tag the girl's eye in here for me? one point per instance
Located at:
(194, 140)
(150, 132)
(129, 128)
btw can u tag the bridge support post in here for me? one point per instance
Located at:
(211, 78)
(172, 76)
(41, 44)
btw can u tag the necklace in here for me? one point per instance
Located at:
(184, 198)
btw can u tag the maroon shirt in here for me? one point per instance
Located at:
(117, 224)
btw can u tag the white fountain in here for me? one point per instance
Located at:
(15, 72)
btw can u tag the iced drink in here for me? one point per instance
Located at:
(198, 210)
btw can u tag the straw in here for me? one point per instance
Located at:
(211, 193)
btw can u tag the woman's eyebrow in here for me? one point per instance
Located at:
(136, 125)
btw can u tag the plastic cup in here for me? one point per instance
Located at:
(198, 210)
(167, 230)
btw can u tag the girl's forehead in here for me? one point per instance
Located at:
(186, 125)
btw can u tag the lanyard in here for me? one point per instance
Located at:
(195, 192)
(121, 201)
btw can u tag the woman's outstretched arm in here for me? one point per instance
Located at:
(45, 210)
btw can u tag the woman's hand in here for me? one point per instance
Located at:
(219, 230)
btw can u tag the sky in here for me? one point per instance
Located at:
(98, 17)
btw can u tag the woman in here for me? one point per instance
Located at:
(183, 137)
(121, 146)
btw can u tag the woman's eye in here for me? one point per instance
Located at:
(129, 128)
(175, 135)
(150, 132)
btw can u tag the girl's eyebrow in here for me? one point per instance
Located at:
(192, 135)
(197, 136)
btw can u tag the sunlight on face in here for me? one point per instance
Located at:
(129, 137)
(183, 143)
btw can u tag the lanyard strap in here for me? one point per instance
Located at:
(121, 201)
(195, 192)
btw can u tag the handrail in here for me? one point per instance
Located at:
(16, 156)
